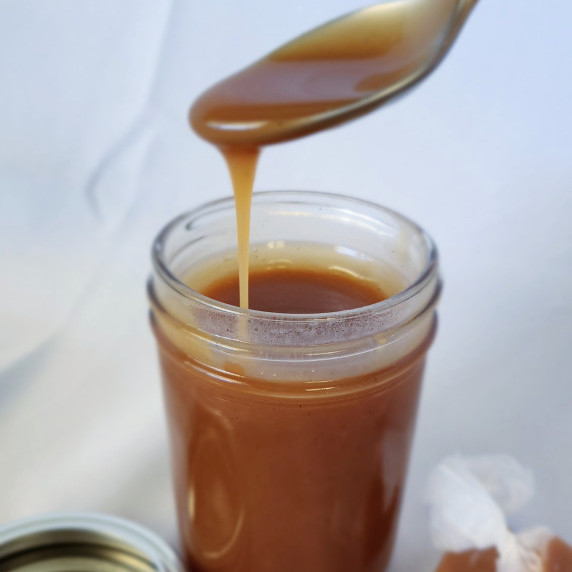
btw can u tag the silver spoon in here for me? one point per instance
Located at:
(334, 73)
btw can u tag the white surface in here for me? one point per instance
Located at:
(95, 156)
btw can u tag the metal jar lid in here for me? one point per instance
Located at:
(83, 543)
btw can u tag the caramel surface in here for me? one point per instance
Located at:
(298, 291)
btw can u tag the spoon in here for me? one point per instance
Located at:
(334, 73)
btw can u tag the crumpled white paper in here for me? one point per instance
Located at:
(469, 499)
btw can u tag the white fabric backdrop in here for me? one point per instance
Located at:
(95, 156)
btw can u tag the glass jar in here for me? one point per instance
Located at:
(290, 433)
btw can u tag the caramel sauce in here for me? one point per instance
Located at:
(242, 166)
(279, 481)
(338, 64)
(298, 290)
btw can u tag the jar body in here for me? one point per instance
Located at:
(290, 435)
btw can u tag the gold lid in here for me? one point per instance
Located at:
(83, 543)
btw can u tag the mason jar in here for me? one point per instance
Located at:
(290, 433)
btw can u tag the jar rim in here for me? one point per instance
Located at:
(161, 265)
(109, 534)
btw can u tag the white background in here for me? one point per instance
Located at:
(96, 155)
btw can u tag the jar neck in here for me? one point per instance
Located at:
(209, 331)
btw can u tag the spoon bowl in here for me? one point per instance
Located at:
(332, 74)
